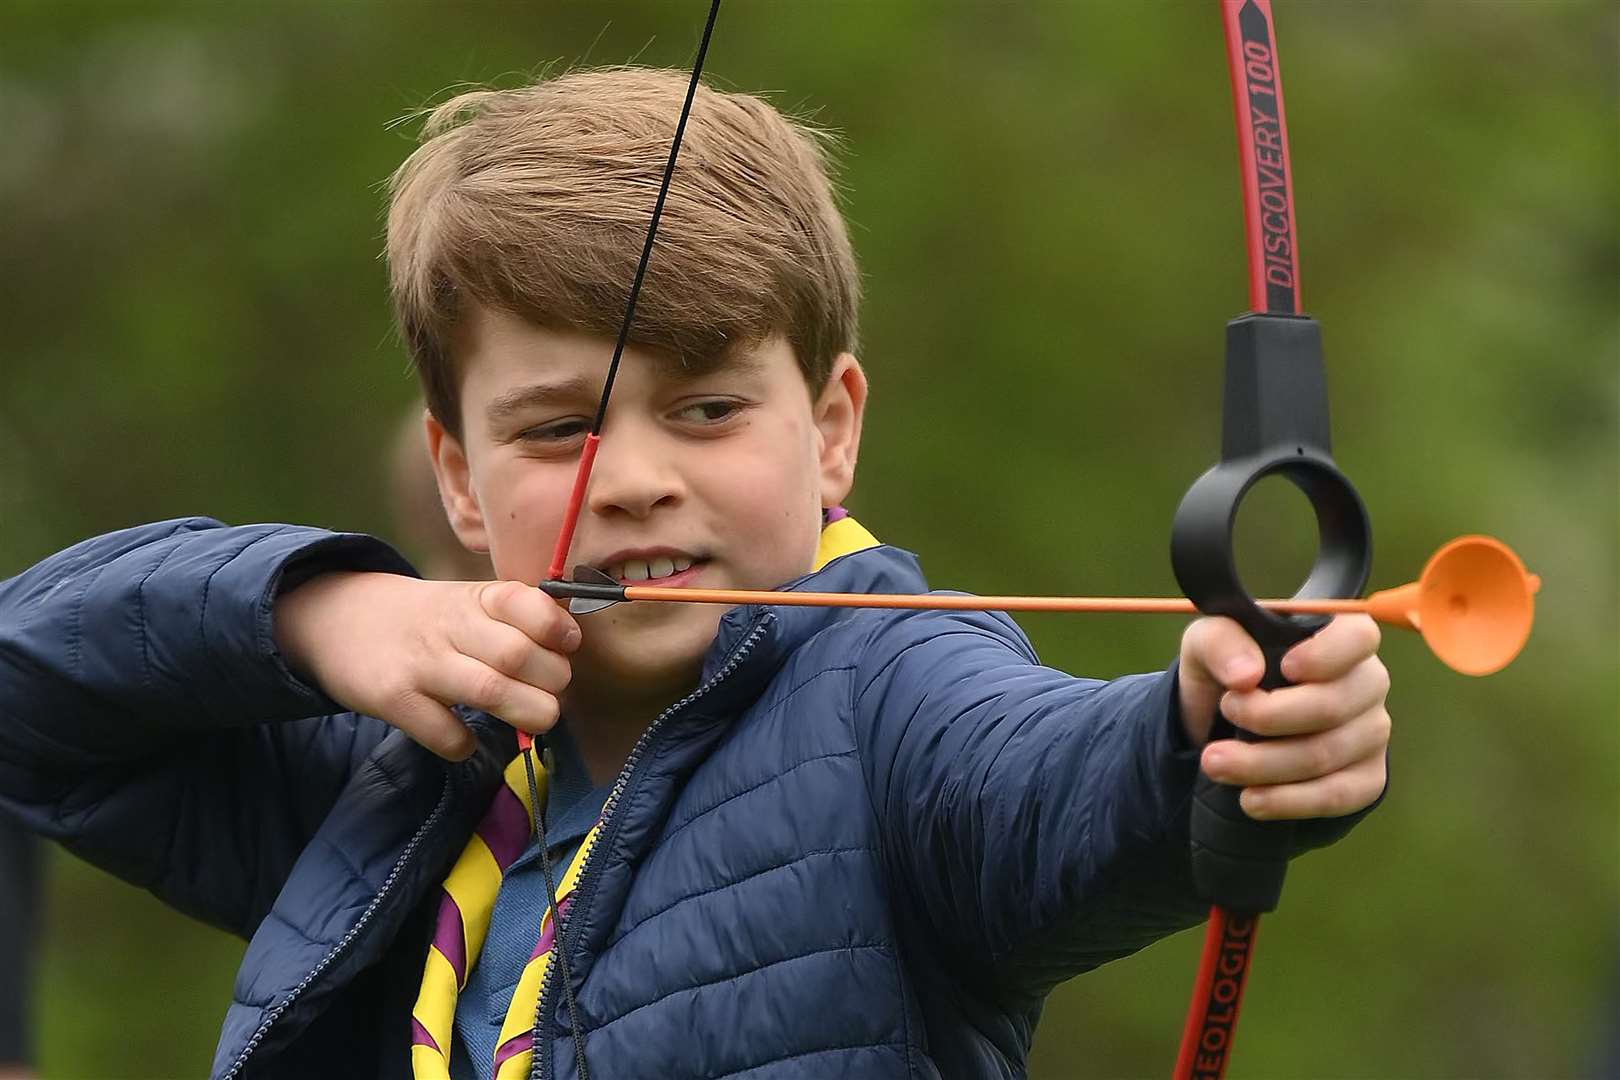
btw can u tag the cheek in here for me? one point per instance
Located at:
(770, 495)
(523, 508)
(774, 472)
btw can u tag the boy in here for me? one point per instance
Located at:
(788, 842)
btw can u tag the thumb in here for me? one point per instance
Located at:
(1217, 655)
(433, 725)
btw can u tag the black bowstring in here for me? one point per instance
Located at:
(652, 229)
(557, 950)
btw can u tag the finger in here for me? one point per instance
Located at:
(1309, 707)
(1340, 793)
(1222, 653)
(541, 618)
(1216, 656)
(1298, 758)
(466, 681)
(513, 653)
(1332, 651)
(431, 724)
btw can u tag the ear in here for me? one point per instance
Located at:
(456, 490)
(838, 412)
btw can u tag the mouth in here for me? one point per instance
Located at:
(664, 568)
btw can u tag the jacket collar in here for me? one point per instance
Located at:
(858, 563)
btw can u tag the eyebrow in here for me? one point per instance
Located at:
(522, 398)
(517, 400)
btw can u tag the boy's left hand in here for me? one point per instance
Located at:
(1327, 734)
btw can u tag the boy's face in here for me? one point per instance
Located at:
(714, 480)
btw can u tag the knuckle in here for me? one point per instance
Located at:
(498, 596)
(1205, 633)
(511, 654)
(401, 698)
(454, 742)
(488, 690)
(1371, 636)
(1344, 795)
(1320, 757)
(424, 720)
(1383, 728)
(538, 712)
(1380, 678)
(552, 616)
(559, 629)
(558, 682)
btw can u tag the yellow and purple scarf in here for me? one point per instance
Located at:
(465, 907)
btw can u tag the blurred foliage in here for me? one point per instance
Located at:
(1045, 200)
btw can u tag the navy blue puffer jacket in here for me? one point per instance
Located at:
(867, 845)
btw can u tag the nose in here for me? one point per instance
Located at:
(635, 473)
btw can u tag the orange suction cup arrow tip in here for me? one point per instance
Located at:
(1474, 605)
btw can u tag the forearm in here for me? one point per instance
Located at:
(1012, 793)
(137, 637)
(149, 724)
(1100, 811)
(1145, 890)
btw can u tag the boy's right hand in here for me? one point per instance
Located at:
(405, 650)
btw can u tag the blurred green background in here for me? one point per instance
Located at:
(1045, 201)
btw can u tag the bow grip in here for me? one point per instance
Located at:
(1274, 422)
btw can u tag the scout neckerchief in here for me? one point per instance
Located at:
(468, 898)
(465, 908)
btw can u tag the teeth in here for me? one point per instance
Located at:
(644, 569)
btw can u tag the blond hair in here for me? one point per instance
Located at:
(536, 201)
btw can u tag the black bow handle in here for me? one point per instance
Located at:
(1274, 422)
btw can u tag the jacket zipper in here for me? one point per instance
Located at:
(347, 939)
(540, 1067)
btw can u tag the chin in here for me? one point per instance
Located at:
(646, 653)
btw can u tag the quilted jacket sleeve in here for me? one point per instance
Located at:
(1036, 822)
(148, 723)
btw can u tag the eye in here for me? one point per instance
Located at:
(557, 431)
(712, 411)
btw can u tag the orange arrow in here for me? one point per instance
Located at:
(1474, 603)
